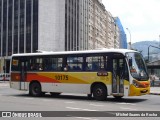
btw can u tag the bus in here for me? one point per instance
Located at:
(96, 73)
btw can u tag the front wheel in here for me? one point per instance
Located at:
(99, 92)
(35, 89)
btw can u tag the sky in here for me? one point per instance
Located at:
(141, 17)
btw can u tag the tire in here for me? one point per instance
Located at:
(55, 93)
(35, 89)
(89, 96)
(99, 92)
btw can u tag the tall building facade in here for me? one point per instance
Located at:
(50, 25)
(18, 20)
(63, 25)
(112, 32)
(122, 34)
(54, 25)
(97, 25)
(76, 24)
(18, 29)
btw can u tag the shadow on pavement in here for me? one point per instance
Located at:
(73, 97)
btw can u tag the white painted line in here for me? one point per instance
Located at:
(14, 97)
(4, 85)
(29, 98)
(46, 100)
(73, 108)
(125, 104)
(96, 105)
(85, 118)
(127, 108)
(70, 102)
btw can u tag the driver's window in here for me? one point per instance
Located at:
(126, 74)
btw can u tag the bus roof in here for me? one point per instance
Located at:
(123, 51)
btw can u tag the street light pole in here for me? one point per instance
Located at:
(148, 50)
(130, 37)
(159, 40)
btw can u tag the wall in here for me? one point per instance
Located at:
(51, 32)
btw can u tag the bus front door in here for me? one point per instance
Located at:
(23, 85)
(118, 76)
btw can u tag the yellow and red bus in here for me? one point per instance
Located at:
(97, 73)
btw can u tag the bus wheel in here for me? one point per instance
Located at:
(55, 93)
(99, 92)
(89, 96)
(35, 89)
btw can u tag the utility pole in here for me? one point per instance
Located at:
(130, 38)
(159, 40)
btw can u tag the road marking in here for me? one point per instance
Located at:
(46, 100)
(15, 97)
(96, 105)
(84, 118)
(3, 85)
(70, 102)
(125, 104)
(29, 98)
(127, 108)
(73, 108)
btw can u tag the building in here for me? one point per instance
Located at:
(53, 25)
(76, 25)
(116, 34)
(97, 25)
(103, 30)
(122, 34)
(112, 32)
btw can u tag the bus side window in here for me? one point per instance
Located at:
(94, 66)
(126, 74)
(78, 68)
(40, 67)
(33, 67)
(59, 68)
(66, 67)
(74, 63)
(15, 65)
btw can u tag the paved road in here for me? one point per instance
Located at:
(14, 100)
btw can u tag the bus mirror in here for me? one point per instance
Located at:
(130, 62)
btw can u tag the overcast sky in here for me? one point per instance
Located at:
(141, 17)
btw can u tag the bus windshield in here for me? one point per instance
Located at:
(137, 66)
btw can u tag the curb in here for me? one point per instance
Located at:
(154, 93)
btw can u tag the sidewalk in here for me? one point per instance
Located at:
(155, 90)
(4, 84)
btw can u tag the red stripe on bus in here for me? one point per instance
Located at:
(40, 78)
(33, 76)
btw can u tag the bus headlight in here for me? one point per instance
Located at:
(135, 83)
